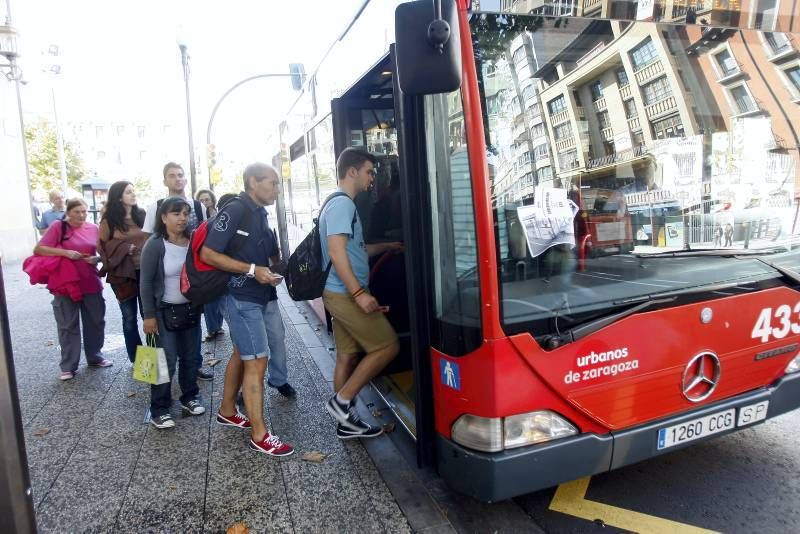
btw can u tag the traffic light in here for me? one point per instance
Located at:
(211, 155)
(298, 72)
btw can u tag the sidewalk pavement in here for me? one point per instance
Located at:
(97, 465)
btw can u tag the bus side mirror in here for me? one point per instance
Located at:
(422, 67)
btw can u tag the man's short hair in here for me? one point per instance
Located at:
(257, 170)
(352, 157)
(170, 165)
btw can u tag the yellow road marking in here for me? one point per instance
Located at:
(569, 499)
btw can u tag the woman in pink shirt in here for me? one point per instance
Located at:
(75, 240)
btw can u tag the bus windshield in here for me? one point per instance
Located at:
(626, 157)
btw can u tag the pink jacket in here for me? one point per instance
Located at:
(57, 272)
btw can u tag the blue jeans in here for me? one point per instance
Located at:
(213, 315)
(257, 331)
(180, 348)
(130, 325)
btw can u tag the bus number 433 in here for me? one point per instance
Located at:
(783, 315)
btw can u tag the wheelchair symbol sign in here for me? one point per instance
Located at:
(450, 374)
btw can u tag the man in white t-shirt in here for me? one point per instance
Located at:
(175, 181)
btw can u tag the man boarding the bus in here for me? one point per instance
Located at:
(250, 306)
(359, 325)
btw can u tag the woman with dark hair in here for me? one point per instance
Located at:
(81, 301)
(168, 313)
(120, 246)
(208, 200)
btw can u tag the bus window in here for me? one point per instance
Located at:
(456, 290)
(612, 148)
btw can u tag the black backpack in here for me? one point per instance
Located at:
(305, 275)
(201, 283)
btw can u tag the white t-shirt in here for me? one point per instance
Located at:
(174, 258)
(150, 216)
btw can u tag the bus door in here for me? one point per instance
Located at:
(367, 116)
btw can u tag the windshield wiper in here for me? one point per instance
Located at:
(792, 276)
(714, 252)
(639, 304)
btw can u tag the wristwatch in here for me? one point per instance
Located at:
(252, 272)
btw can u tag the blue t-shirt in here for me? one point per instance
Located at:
(49, 217)
(337, 218)
(259, 246)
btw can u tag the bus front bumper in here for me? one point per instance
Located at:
(492, 477)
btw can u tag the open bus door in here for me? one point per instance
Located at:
(374, 115)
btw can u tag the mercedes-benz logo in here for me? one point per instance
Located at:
(701, 376)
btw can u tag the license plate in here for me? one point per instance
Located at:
(696, 429)
(753, 413)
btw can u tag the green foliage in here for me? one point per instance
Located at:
(492, 34)
(43, 160)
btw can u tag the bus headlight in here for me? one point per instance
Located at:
(494, 434)
(479, 433)
(794, 365)
(535, 427)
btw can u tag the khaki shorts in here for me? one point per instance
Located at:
(355, 331)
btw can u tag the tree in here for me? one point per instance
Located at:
(43, 160)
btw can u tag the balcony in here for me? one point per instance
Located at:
(591, 5)
(565, 144)
(625, 92)
(649, 71)
(745, 106)
(599, 104)
(634, 124)
(607, 133)
(560, 117)
(661, 107)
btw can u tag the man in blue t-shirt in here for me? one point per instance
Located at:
(358, 321)
(56, 213)
(250, 306)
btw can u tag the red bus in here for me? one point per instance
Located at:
(525, 362)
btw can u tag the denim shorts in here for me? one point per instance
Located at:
(247, 323)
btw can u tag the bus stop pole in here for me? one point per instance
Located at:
(16, 502)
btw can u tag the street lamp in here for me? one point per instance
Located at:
(185, 63)
(296, 72)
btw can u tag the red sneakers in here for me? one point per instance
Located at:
(272, 445)
(238, 420)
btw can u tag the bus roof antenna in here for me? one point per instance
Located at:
(439, 29)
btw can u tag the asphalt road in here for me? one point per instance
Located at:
(742, 482)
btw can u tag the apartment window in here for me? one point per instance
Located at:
(98, 131)
(608, 146)
(563, 131)
(644, 54)
(101, 154)
(669, 127)
(727, 65)
(630, 109)
(525, 158)
(765, 14)
(557, 104)
(537, 131)
(777, 42)
(638, 139)
(742, 100)
(142, 155)
(603, 119)
(794, 77)
(568, 160)
(120, 130)
(540, 151)
(140, 131)
(519, 54)
(657, 90)
(533, 110)
(622, 77)
(597, 91)
(527, 93)
(545, 173)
